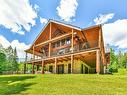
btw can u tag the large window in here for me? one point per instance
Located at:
(63, 42)
(58, 43)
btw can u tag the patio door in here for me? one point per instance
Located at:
(51, 69)
(69, 68)
(60, 69)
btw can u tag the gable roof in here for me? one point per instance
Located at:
(63, 24)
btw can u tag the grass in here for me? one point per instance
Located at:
(66, 84)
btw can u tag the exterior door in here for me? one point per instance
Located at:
(86, 70)
(60, 69)
(51, 69)
(69, 68)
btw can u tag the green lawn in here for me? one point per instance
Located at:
(63, 84)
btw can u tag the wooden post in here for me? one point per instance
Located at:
(72, 64)
(42, 67)
(49, 49)
(33, 68)
(104, 70)
(55, 65)
(33, 59)
(25, 64)
(99, 41)
(50, 31)
(98, 62)
(72, 41)
(33, 52)
(50, 39)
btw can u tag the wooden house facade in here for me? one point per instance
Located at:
(63, 48)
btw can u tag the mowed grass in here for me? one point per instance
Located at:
(67, 84)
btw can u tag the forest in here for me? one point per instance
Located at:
(117, 61)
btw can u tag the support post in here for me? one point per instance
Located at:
(72, 41)
(49, 49)
(72, 64)
(55, 65)
(33, 68)
(98, 62)
(50, 39)
(42, 67)
(99, 42)
(25, 64)
(104, 70)
(50, 31)
(33, 52)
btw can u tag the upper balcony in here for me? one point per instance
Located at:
(63, 47)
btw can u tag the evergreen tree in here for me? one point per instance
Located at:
(119, 56)
(15, 58)
(124, 60)
(113, 67)
(2, 62)
(9, 55)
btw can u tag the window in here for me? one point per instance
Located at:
(58, 43)
(53, 45)
(68, 41)
(63, 42)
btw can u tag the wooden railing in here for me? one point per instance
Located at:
(66, 50)
(77, 48)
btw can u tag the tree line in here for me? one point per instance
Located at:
(117, 61)
(8, 59)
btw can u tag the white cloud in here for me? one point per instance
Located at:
(5, 43)
(103, 18)
(116, 33)
(67, 9)
(17, 14)
(36, 7)
(20, 48)
(21, 32)
(43, 20)
(15, 43)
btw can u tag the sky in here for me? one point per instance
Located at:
(22, 20)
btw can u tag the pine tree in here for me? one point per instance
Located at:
(2, 62)
(15, 58)
(113, 67)
(9, 55)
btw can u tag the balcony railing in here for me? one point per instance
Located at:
(76, 48)
(66, 50)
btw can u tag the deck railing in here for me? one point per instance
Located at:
(66, 50)
(76, 48)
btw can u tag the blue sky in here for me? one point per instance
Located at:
(22, 20)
